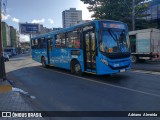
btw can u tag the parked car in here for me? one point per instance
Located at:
(5, 57)
(10, 51)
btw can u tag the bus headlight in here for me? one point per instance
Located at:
(104, 61)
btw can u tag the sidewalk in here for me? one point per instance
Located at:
(13, 101)
(5, 86)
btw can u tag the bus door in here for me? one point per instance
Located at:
(90, 51)
(49, 48)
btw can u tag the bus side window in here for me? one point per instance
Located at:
(77, 39)
(36, 44)
(32, 43)
(63, 42)
(41, 43)
(50, 44)
(44, 44)
(68, 40)
(58, 41)
(73, 39)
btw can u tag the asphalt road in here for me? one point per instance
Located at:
(148, 66)
(58, 90)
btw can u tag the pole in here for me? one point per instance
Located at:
(133, 15)
(2, 65)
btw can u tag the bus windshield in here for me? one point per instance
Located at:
(113, 41)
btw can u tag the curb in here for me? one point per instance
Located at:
(5, 86)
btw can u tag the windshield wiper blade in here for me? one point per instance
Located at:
(115, 39)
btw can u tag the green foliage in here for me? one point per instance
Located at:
(120, 10)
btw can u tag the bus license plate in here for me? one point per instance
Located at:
(122, 70)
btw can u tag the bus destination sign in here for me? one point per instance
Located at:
(112, 25)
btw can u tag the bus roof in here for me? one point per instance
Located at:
(76, 26)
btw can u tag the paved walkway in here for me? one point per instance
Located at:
(13, 101)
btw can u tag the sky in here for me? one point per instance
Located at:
(46, 12)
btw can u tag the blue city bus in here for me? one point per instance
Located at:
(98, 47)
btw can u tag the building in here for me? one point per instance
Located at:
(44, 29)
(4, 37)
(13, 37)
(154, 12)
(9, 43)
(71, 17)
(10, 36)
(6, 41)
(18, 38)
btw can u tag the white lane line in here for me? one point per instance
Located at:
(22, 92)
(116, 86)
(146, 72)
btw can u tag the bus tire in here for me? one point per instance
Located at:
(76, 68)
(134, 59)
(43, 61)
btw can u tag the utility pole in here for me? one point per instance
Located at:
(2, 65)
(133, 15)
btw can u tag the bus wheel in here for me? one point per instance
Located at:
(76, 68)
(134, 59)
(43, 61)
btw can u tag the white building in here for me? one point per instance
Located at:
(8, 38)
(71, 17)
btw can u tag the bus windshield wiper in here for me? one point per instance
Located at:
(115, 38)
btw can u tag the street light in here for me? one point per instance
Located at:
(2, 65)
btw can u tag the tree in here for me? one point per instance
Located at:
(121, 10)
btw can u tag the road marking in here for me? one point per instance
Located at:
(116, 86)
(23, 92)
(146, 72)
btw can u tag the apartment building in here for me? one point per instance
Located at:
(9, 36)
(6, 40)
(71, 17)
